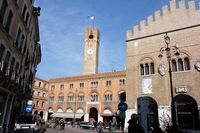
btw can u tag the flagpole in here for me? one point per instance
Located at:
(93, 23)
(92, 19)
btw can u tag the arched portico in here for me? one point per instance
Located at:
(147, 111)
(187, 112)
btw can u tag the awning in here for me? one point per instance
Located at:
(67, 115)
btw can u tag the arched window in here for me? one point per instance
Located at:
(180, 65)
(142, 69)
(174, 66)
(146, 69)
(152, 68)
(108, 97)
(94, 97)
(186, 63)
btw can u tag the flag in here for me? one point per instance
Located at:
(91, 17)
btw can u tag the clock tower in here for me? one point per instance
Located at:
(91, 52)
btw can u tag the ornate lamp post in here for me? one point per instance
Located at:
(170, 51)
(74, 119)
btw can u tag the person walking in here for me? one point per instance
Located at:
(133, 126)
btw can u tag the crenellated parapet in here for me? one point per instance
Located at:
(170, 18)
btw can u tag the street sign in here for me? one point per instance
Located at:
(29, 108)
(122, 107)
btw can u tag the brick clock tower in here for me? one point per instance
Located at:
(91, 52)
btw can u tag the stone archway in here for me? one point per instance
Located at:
(187, 111)
(148, 112)
(93, 115)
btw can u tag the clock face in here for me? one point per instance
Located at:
(90, 51)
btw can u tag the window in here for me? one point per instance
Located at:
(174, 66)
(80, 98)
(52, 87)
(39, 84)
(9, 20)
(147, 69)
(51, 100)
(181, 64)
(186, 63)
(94, 97)
(60, 99)
(3, 10)
(45, 85)
(81, 85)
(6, 61)
(108, 83)
(122, 82)
(18, 37)
(70, 98)
(122, 97)
(71, 86)
(62, 87)
(42, 104)
(38, 94)
(94, 84)
(2, 50)
(37, 103)
(21, 43)
(108, 97)
(141, 69)
(12, 64)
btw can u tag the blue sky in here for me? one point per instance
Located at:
(63, 23)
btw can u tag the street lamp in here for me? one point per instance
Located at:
(170, 51)
(74, 119)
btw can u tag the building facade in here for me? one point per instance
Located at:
(91, 97)
(20, 54)
(39, 98)
(147, 76)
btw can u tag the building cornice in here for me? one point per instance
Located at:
(89, 77)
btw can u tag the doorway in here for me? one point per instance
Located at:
(187, 112)
(93, 116)
(147, 112)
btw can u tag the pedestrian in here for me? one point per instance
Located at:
(100, 127)
(133, 126)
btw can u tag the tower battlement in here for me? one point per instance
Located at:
(169, 18)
